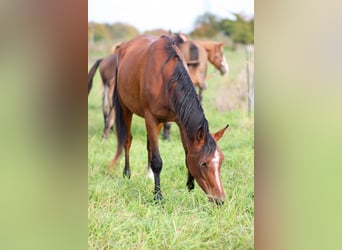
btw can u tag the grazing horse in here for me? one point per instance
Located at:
(208, 51)
(197, 54)
(107, 71)
(152, 81)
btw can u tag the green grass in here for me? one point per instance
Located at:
(122, 213)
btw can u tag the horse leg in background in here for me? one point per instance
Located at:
(109, 122)
(200, 94)
(166, 131)
(152, 127)
(190, 182)
(107, 108)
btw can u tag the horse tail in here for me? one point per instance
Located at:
(120, 127)
(92, 73)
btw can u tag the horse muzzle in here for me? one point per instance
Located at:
(224, 67)
(218, 200)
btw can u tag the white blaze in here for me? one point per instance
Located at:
(216, 162)
(225, 64)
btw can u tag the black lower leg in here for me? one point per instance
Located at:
(190, 182)
(156, 165)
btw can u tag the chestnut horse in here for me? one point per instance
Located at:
(197, 54)
(152, 81)
(206, 51)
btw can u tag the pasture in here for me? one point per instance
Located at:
(122, 213)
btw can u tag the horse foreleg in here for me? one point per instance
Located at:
(153, 151)
(190, 182)
(149, 158)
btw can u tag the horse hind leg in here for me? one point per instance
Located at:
(127, 121)
(129, 138)
(109, 122)
(106, 109)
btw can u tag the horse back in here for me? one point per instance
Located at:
(142, 76)
(198, 73)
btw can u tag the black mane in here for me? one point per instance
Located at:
(185, 102)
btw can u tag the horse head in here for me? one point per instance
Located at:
(204, 160)
(216, 56)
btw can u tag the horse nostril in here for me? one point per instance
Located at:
(219, 202)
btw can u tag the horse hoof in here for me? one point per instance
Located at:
(158, 197)
(191, 187)
(127, 174)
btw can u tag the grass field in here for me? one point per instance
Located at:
(122, 213)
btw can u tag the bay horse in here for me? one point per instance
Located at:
(106, 67)
(152, 81)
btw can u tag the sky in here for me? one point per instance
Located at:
(177, 15)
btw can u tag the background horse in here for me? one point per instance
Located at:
(197, 54)
(107, 67)
(152, 81)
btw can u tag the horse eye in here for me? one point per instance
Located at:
(204, 164)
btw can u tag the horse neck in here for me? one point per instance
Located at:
(186, 104)
(208, 47)
(190, 117)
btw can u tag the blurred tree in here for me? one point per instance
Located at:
(101, 32)
(123, 31)
(157, 32)
(206, 25)
(110, 32)
(240, 29)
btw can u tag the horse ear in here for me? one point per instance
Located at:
(200, 135)
(218, 135)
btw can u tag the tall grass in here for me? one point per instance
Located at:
(122, 213)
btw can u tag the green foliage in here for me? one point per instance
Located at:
(208, 25)
(117, 31)
(122, 213)
(240, 30)
(101, 32)
(123, 31)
